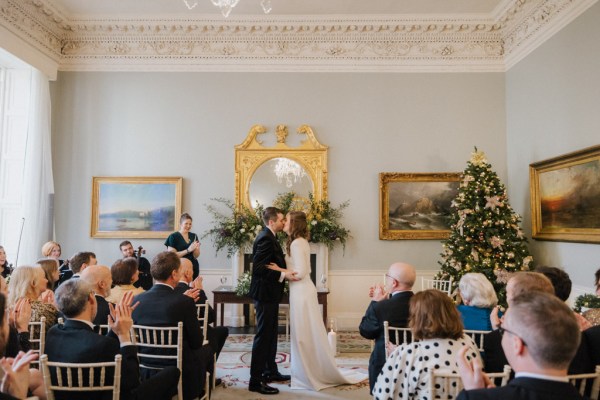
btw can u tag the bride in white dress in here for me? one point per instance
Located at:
(313, 364)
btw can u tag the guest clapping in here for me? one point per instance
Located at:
(185, 243)
(124, 274)
(479, 298)
(436, 324)
(28, 282)
(50, 267)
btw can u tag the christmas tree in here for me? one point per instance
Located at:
(485, 234)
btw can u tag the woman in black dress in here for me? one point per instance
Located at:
(185, 243)
(5, 267)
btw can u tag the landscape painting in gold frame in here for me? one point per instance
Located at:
(416, 205)
(135, 207)
(565, 197)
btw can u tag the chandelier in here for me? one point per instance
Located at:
(227, 5)
(288, 170)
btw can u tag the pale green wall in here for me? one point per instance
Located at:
(186, 124)
(553, 108)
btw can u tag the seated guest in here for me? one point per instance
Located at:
(76, 342)
(145, 280)
(216, 335)
(18, 379)
(593, 315)
(479, 298)
(124, 274)
(519, 283)
(390, 303)
(77, 263)
(562, 289)
(162, 306)
(5, 267)
(436, 325)
(539, 336)
(28, 283)
(50, 267)
(100, 278)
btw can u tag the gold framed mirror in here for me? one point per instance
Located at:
(262, 172)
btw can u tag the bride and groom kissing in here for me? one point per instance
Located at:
(313, 364)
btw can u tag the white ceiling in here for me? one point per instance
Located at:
(77, 9)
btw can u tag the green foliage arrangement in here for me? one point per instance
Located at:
(243, 285)
(234, 229)
(587, 301)
(324, 220)
(485, 235)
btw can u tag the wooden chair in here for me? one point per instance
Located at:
(202, 311)
(587, 384)
(444, 384)
(441, 285)
(477, 337)
(399, 336)
(169, 338)
(84, 377)
(37, 338)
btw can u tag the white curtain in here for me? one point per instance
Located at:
(38, 182)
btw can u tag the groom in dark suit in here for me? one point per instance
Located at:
(540, 336)
(266, 288)
(390, 303)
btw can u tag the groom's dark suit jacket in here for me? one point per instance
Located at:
(395, 311)
(525, 389)
(265, 286)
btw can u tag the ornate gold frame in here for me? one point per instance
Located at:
(567, 162)
(251, 154)
(385, 178)
(97, 181)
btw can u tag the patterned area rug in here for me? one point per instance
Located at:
(348, 342)
(233, 367)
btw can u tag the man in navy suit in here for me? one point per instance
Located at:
(540, 336)
(75, 341)
(266, 288)
(163, 306)
(390, 303)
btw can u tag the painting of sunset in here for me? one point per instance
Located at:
(570, 197)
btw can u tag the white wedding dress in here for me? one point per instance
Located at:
(313, 365)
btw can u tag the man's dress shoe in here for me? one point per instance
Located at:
(263, 388)
(277, 378)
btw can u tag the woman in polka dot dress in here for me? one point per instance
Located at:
(437, 328)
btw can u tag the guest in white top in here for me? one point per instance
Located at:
(436, 325)
(124, 274)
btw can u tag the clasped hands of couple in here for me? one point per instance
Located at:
(289, 275)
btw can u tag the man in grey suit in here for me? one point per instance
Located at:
(540, 336)
(390, 303)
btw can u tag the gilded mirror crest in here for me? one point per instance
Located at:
(262, 172)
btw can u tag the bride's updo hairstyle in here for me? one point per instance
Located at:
(298, 228)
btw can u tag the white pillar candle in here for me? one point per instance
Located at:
(332, 337)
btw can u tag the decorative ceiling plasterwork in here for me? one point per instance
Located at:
(394, 43)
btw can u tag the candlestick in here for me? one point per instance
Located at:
(332, 338)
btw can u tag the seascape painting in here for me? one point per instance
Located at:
(416, 205)
(565, 197)
(421, 205)
(570, 197)
(139, 207)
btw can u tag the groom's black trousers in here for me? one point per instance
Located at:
(264, 348)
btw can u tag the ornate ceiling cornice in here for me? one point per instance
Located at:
(335, 43)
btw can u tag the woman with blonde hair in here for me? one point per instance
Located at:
(437, 338)
(29, 282)
(124, 274)
(313, 364)
(479, 298)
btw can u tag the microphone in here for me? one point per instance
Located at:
(20, 237)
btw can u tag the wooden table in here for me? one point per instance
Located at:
(226, 295)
